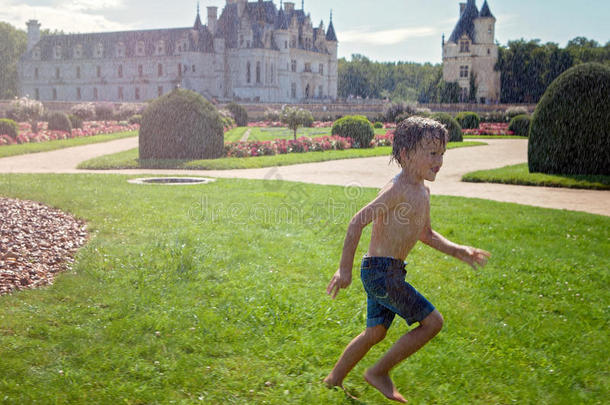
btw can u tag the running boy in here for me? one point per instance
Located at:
(401, 216)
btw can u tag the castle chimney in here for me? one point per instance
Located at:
(33, 33)
(289, 7)
(212, 18)
(462, 7)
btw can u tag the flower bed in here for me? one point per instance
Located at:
(301, 145)
(489, 128)
(90, 128)
(276, 124)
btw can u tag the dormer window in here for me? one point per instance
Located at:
(120, 50)
(36, 53)
(160, 48)
(140, 48)
(489, 29)
(57, 52)
(78, 51)
(464, 45)
(98, 52)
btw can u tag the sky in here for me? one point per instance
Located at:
(382, 30)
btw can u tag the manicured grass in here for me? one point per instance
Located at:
(13, 150)
(519, 174)
(271, 133)
(232, 277)
(235, 134)
(129, 159)
(494, 137)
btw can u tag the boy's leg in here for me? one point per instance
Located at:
(378, 375)
(354, 352)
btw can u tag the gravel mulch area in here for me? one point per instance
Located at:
(36, 242)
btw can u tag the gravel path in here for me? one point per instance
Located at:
(367, 172)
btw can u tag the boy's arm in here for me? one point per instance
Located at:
(470, 255)
(342, 278)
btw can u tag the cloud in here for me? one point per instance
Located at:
(386, 37)
(69, 16)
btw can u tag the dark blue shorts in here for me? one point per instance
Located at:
(389, 294)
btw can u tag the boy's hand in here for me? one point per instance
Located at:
(339, 280)
(473, 256)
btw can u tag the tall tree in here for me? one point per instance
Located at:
(13, 43)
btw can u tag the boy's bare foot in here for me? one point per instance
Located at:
(333, 384)
(384, 384)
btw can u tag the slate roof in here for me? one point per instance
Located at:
(330, 32)
(465, 24)
(485, 11)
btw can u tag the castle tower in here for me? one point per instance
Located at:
(33, 33)
(471, 52)
(331, 38)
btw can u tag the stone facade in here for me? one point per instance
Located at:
(253, 51)
(471, 50)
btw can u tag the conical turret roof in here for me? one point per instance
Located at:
(485, 11)
(466, 23)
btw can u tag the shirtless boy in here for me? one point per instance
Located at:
(401, 216)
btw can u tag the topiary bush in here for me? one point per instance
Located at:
(104, 111)
(135, 119)
(85, 111)
(58, 121)
(356, 127)
(239, 113)
(377, 125)
(512, 112)
(569, 132)
(181, 125)
(453, 127)
(520, 125)
(9, 127)
(468, 119)
(77, 122)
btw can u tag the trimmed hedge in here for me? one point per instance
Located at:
(239, 114)
(468, 119)
(9, 127)
(356, 127)
(569, 132)
(453, 127)
(181, 125)
(520, 125)
(58, 121)
(76, 121)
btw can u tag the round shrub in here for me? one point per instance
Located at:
(377, 125)
(520, 125)
(512, 112)
(104, 111)
(9, 127)
(356, 127)
(135, 119)
(76, 121)
(239, 113)
(85, 111)
(450, 123)
(307, 118)
(569, 132)
(181, 125)
(468, 119)
(58, 121)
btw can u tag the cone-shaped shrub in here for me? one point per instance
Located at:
(9, 127)
(181, 125)
(59, 121)
(239, 114)
(356, 127)
(468, 119)
(520, 125)
(570, 131)
(452, 126)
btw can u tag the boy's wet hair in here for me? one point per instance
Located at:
(410, 132)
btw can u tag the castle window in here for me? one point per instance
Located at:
(57, 52)
(320, 91)
(193, 68)
(78, 51)
(57, 73)
(78, 72)
(137, 93)
(307, 67)
(36, 94)
(489, 29)
(293, 90)
(258, 72)
(120, 93)
(98, 71)
(160, 47)
(78, 93)
(35, 73)
(248, 72)
(464, 46)
(159, 70)
(241, 40)
(488, 51)
(36, 53)
(160, 91)
(179, 69)
(95, 93)
(140, 48)
(120, 72)
(272, 78)
(464, 94)
(99, 50)
(120, 50)
(140, 71)
(54, 94)
(248, 44)
(285, 44)
(321, 68)
(463, 71)
(293, 65)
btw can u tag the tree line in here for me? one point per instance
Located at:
(527, 68)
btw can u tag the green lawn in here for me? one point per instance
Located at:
(129, 159)
(519, 174)
(232, 276)
(13, 150)
(271, 133)
(494, 137)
